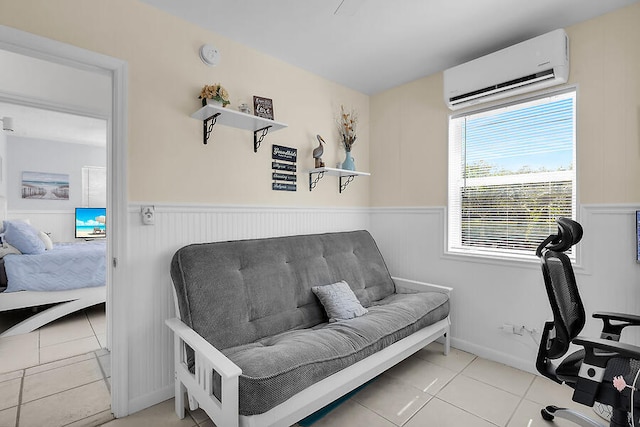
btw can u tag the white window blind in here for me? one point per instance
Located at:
(94, 186)
(511, 174)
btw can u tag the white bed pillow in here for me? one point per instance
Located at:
(339, 301)
(23, 237)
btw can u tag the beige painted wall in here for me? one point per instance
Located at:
(167, 160)
(409, 123)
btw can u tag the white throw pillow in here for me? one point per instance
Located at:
(339, 301)
(48, 244)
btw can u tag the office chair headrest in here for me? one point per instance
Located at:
(569, 233)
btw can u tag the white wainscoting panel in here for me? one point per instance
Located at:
(489, 293)
(151, 248)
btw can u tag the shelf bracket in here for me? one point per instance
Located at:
(313, 182)
(207, 127)
(347, 180)
(257, 141)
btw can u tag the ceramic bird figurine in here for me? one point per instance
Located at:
(317, 152)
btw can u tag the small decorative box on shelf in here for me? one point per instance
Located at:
(346, 176)
(212, 114)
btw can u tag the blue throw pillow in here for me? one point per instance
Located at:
(23, 237)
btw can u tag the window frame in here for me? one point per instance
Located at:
(506, 255)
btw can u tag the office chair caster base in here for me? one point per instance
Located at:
(547, 413)
(550, 412)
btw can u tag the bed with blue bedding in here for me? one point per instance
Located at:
(66, 266)
(57, 280)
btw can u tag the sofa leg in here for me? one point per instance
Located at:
(180, 392)
(447, 344)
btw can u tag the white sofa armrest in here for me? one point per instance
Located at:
(404, 286)
(200, 383)
(408, 286)
(223, 366)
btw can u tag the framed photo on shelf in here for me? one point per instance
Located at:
(263, 107)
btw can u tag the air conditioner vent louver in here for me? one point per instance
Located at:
(528, 66)
(500, 87)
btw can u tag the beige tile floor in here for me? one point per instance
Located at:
(59, 376)
(78, 333)
(428, 389)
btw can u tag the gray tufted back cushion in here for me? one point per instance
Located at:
(234, 293)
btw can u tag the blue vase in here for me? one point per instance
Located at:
(348, 162)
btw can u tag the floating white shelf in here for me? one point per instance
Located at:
(346, 176)
(212, 114)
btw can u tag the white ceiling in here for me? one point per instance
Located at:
(374, 45)
(38, 123)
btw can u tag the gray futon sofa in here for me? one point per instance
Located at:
(253, 342)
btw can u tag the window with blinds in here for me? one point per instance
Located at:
(511, 174)
(94, 186)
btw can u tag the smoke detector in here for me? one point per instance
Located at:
(209, 55)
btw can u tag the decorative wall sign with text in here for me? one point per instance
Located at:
(284, 163)
(263, 107)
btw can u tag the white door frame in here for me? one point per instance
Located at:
(50, 50)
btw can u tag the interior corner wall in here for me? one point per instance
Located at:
(409, 197)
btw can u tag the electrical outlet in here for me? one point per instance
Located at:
(508, 328)
(148, 215)
(517, 329)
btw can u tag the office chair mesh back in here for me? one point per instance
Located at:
(568, 311)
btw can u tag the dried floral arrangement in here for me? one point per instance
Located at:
(347, 127)
(215, 91)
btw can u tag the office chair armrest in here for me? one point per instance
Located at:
(613, 332)
(615, 349)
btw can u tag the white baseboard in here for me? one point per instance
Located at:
(496, 356)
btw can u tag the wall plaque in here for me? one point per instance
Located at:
(279, 186)
(283, 167)
(284, 162)
(284, 177)
(263, 107)
(286, 154)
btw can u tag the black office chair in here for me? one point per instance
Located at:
(591, 370)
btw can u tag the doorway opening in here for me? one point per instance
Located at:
(112, 111)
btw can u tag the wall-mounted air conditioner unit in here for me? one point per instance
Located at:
(533, 64)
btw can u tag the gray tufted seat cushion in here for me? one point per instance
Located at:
(276, 368)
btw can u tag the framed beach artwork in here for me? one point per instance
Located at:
(44, 185)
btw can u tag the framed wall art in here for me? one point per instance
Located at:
(263, 107)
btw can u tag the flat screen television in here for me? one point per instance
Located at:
(91, 223)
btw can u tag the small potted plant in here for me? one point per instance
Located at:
(214, 94)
